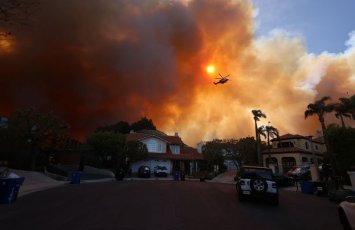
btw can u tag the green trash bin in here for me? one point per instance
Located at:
(9, 188)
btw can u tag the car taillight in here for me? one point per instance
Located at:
(274, 185)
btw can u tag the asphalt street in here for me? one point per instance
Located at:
(164, 205)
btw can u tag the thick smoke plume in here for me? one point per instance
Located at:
(99, 62)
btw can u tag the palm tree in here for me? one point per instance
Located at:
(349, 104)
(268, 131)
(257, 115)
(352, 106)
(319, 108)
(341, 110)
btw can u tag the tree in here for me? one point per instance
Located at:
(341, 111)
(246, 148)
(109, 147)
(143, 123)
(319, 108)
(349, 104)
(124, 127)
(240, 151)
(341, 140)
(40, 132)
(257, 114)
(268, 131)
(213, 153)
(114, 152)
(135, 151)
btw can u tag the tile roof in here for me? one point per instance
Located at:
(319, 140)
(169, 139)
(289, 136)
(297, 136)
(186, 152)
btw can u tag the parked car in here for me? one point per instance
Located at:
(346, 211)
(160, 171)
(283, 181)
(144, 171)
(257, 182)
(302, 172)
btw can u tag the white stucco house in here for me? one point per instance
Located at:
(165, 150)
(291, 150)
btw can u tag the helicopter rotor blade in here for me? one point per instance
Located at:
(220, 75)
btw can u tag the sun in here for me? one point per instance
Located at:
(210, 69)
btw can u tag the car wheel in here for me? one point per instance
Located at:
(343, 219)
(258, 185)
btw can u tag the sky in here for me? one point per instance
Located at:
(324, 24)
(95, 63)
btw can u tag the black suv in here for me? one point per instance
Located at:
(254, 181)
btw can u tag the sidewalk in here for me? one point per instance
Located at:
(36, 181)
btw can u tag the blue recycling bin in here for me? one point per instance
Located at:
(9, 188)
(176, 175)
(75, 177)
(307, 187)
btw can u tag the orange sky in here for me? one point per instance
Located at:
(99, 62)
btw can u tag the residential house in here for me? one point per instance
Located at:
(291, 150)
(165, 150)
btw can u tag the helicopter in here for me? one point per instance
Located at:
(222, 79)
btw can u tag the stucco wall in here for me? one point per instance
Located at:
(297, 156)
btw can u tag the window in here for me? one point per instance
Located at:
(154, 146)
(307, 145)
(285, 144)
(175, 149)
(316, 146)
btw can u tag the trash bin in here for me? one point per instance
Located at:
(176, 175)
(307, 187)
(75, 177)
(182, 176)
(9, 188)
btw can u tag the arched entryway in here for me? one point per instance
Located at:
(288, 163)
(272, 161)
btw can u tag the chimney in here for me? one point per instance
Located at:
(176, 134)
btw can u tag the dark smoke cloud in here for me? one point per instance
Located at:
(98, 62)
